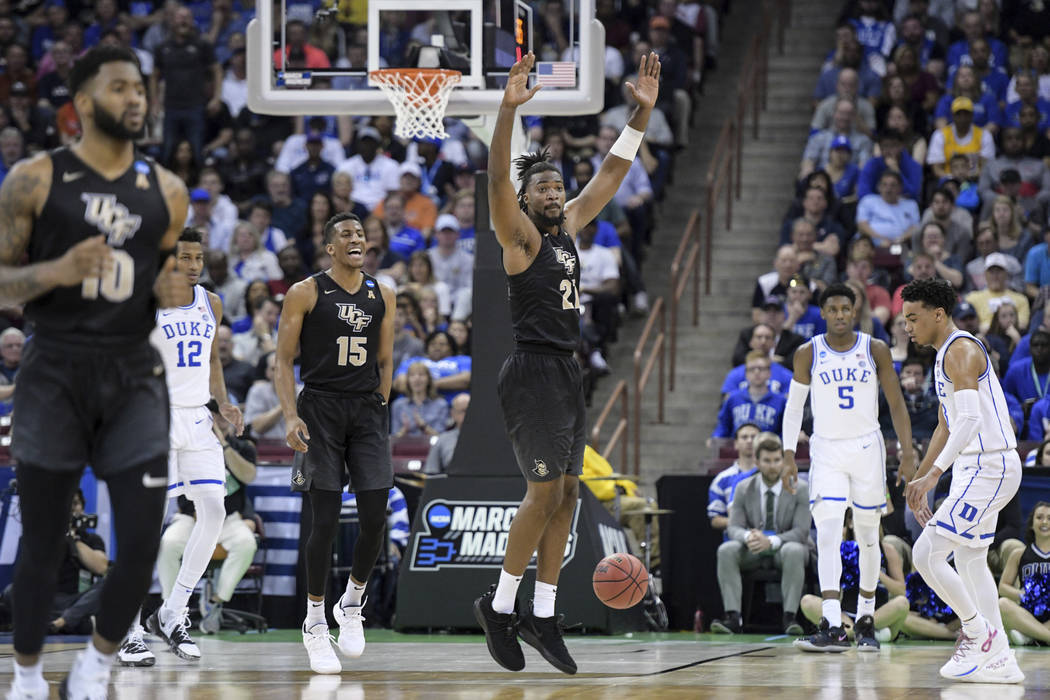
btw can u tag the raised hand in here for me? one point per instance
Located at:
(518, 91)
(170, 286)
(647, 88)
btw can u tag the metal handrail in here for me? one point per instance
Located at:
(619, 435)
(642, 372)
(718, 174)
(680, 275)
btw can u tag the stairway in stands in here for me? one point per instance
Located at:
(770, 164)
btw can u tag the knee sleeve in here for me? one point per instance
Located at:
(371, 510)
(870, 555)
(324, 511)
(137, 514)
(829, 554)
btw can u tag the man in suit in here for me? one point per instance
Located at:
(768, 528)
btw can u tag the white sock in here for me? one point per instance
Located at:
(136, 625)
(29, 675)
(97, 659)
(543, 601)
(506, 592)
(315, 613)
(974, 627)
(865, 606)
(832, 611)
(354, 594)
(176, 601)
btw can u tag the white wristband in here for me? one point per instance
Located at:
(626, 146)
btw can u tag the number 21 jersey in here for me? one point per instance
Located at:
(130, 211)
(844, 389)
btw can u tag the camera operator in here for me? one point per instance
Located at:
(77, 594)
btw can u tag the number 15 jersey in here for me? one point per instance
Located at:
(183, 338)
(844, 389)
(340, 337)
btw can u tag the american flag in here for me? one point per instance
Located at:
(557, 74)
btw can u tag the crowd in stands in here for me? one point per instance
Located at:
(928, 157)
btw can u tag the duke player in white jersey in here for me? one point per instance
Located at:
(973, 437)
(196, 467)
(842, 370)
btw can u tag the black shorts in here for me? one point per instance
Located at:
(76, 405)
(349, 443)
(543, 408)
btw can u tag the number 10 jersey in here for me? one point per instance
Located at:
(130, 211)
(183, 338)
(844, 389)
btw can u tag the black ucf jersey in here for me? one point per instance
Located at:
(118, 308)
(339, 342)
(545, 298)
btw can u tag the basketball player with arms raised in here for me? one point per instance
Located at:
(342, 321)
(841, 370)
(98, 221)
(196, 466)
(974, 438)
(539, 385)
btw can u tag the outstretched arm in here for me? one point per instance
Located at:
(605, 183)
(511, 224)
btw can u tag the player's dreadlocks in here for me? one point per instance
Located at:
(528, 164)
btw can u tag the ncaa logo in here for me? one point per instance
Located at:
(439, 516)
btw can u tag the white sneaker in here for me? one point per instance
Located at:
(85, 683)
(175, 631)
(971, 654)
(134, 652)
(1002, 669)
(29, 689)
(641, 303)
(318, 645)
(351, 631)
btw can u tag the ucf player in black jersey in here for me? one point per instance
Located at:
(99, 221)
(540, 387)
(342, 321)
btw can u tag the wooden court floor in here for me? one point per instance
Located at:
(672, 666)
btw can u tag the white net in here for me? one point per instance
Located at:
(419, 96)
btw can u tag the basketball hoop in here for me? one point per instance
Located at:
(419, 96)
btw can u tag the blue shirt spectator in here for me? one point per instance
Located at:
(779, 380)
(1037, 263)
(439, 369)
(910, 171)
(1024, 381)
(985, 109)
(406, 241)
(1012, 117)
(959, 53)
(720, 493)
(740, 408)
(810, 323)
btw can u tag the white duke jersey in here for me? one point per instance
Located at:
(183, 337)
(994, 432)
(843, 389)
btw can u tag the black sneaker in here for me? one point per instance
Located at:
(544, 635)
(501, 632)
(730, 625)
(827, 639)
(791, 626)
(864, 633)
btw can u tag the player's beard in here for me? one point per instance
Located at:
(113, 127)
(544, 222)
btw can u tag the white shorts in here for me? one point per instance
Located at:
(847, 473)
(982, 485)
(195, 461)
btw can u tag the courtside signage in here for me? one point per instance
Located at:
(470, 534)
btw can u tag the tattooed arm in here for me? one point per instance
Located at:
(22, 197)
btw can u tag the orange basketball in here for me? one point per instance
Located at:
(620, 581)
